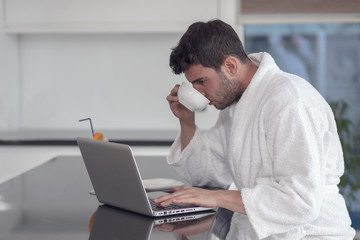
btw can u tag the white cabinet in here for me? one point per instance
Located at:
(27, 16)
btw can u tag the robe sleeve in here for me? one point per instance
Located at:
(203, 161)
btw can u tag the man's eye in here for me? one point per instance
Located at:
(199, 82)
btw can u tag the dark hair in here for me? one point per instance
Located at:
(207, 44)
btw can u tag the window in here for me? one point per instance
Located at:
(325, 54)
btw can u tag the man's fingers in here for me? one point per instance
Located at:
(181, 195)
(175, 90)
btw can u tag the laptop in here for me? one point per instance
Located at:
(114, 223)
(117, 182)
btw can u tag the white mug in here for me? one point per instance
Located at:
(191, 98)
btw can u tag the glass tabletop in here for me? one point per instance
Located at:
(52, 201)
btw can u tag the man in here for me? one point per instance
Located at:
(275, 139)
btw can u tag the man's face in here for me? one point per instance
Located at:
(215, 86)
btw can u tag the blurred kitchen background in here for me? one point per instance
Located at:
(65, 60)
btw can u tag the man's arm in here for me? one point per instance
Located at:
(187, 131)
(186, 117)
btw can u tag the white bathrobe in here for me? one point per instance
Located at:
(279, 145)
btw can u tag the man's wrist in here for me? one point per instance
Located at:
(230, 199)
(188, 123)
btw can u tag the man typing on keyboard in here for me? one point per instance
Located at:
(275, 139)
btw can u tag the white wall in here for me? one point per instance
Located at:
(9, 79)
(120, 80)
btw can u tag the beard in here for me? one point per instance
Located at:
(227, 93)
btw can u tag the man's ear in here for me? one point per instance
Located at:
(230, 65)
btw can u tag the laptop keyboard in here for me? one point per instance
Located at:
(170, 207)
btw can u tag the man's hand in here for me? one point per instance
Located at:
(190, 195)
(229, 199)
(176, 107)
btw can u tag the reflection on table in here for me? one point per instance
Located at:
(112, 223)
